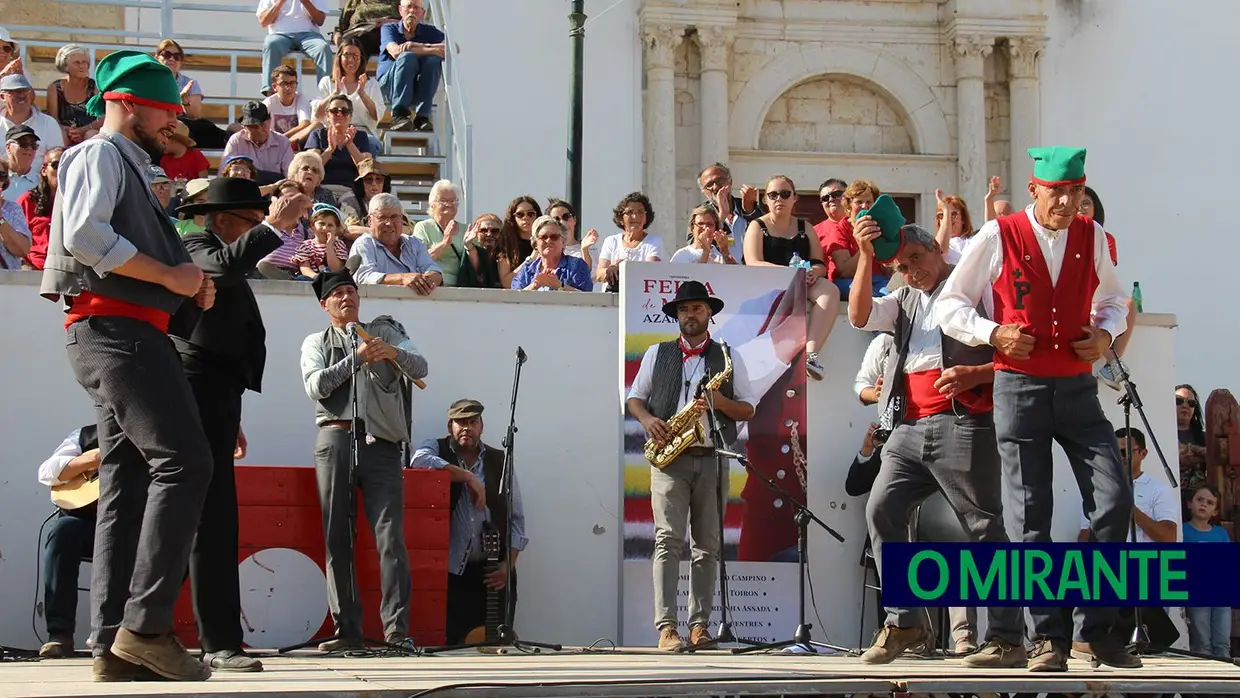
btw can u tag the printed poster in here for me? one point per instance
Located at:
(764, 323)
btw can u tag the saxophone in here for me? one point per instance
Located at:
(686, 425)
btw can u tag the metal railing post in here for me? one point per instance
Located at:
(165, 18)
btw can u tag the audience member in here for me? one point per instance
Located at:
(633, 215)
(1192, 438)
(241, 166)
(735, 212)
(515, 245)
(349, 78)
(197, 223)
(481, 241)
(14, 231)
(869, 381)
(292, 114)
(1003, 208)
(992, 190)
(564, 212)
(22, 145)
(550, 269)
(270, 151)
(773, 240)
(363, 19)
(67, 96)
(10, 57)
(340, 144)
(326, 251)
(161, 185)
(841, 245)
(70, 540)
(954, 226)
(441, 233)
(831, 194)
(203, 131)
(293, 25)
(1156, 511)
(182, 160)
(410, 66)
(36, 204)
(306, 172)
(371, 179)
(1209, 629)
(388, 257)
(20, 110)
(708, 241)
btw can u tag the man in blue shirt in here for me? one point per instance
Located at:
(410, 65)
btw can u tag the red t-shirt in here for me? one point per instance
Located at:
(188, 166)
(40, 228)
(839, 236)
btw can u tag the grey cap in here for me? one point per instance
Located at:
(15, 81)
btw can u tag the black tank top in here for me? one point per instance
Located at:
(777, 250)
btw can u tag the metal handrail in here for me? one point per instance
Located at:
(460, 132)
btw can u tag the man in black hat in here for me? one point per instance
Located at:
(687, 489)
(223, 352)
(270, 151)
(478, 508)
(385, 363)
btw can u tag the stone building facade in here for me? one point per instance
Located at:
(913, 94)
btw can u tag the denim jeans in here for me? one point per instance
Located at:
(411, 82)
(1209, 631)
(277, 46)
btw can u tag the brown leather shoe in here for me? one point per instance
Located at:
(109, 668)
(1047, 657)
(57, 647)
(892, 642)
(698, 635)
(341, 644)
(669, 639)
(998, 654)
(162, 654)
(1106, 651)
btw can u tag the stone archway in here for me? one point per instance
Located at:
(927, 125)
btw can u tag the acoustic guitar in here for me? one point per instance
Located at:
(489, 631)
(80, 492)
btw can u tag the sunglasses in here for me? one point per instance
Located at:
(551, 238)
(781, 194)
(832, 196)
(1185, 401)
(26, 144)
(525, 214)
(54, 164)
(7, 48)
(564, 217)
(169, 55)
(492, 231)
(340, 111)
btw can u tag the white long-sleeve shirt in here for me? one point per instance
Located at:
(982, 262)
(873, 364)
(50, 469)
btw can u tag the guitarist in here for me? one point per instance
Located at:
(71, 539)
(476, 469)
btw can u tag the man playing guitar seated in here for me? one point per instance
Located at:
(476, 559)
(71, 473)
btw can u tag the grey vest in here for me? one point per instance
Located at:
(893, 402)
(138, 218)
(390, 398)
(668, 384)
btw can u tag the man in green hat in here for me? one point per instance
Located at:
(120, 269)
(1058, 306)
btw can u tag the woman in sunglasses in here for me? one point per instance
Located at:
(515, 240)
(341, 144)
(1192, 430)
(205, 133)
(37, 206)
(772, 240)
(564, 212)
(633, 215)
(481, 241)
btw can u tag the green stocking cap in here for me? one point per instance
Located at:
(1058, 165)
(135, 77)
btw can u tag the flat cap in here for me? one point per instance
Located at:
(465, 409)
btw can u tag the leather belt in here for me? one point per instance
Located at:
(346, 424)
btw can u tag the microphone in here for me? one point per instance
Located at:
(356, 330)
(521, 357)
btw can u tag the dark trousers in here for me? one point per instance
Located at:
(383, 497)
(1030, 414)
(213, 559)
(70, 541)
(954, 455)
(154, 470)
(467, 602)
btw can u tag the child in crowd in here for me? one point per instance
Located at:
(1209, 629)
(181, 160)
(326, 250)
(291, 112)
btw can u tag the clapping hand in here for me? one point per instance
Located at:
(590, 238)
(995, 186)
(471, 233)
(749, 197)
(547, 279)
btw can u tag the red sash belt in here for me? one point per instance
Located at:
(89, 304)
(925, 400)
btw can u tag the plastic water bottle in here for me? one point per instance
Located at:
(1136, 296)
(797, 263)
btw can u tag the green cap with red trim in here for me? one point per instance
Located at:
(1058, 165)
(135, 77)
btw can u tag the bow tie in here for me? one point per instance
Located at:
(687, 352)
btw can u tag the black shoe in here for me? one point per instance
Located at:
(422, 123)
(401, 123)
(231, 660)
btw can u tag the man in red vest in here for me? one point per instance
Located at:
(1058, 306)
(937, 401)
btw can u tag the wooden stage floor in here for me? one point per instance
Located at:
(467, 674)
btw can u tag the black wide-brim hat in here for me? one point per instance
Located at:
(229, 194)
(692, 291)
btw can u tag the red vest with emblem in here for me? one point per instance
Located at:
(1053, 313)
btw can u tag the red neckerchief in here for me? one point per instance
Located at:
(687, 353)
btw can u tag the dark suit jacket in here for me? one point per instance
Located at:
(230, 337)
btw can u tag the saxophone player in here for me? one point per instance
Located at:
(686, 491)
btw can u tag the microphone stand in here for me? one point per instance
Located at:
(1140, 641)
(355, 459)
(506, 636)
